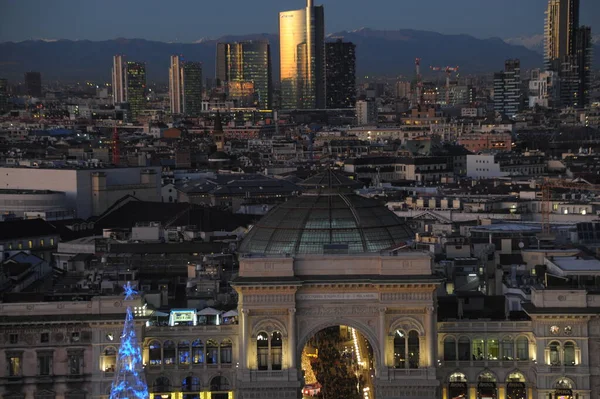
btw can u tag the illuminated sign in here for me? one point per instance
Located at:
(183, 316)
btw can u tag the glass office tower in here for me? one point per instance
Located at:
(302, 57)
(192, 88)
(341, 74)
(247, 61)
(136, 87)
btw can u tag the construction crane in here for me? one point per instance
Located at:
(547, 185)
(448, 70)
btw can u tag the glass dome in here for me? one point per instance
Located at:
(328, 218)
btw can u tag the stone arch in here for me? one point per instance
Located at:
(488, 371)
(516, 371)
(364, 329)
(219, 382)
(564, 381)
(406, 324)
(451, 375)
(269, 326)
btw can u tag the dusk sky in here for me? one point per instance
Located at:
(190, 20)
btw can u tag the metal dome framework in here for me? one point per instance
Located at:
(326, 222)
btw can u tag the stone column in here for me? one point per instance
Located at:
(244, 341)
(430, 335)
(382, 338)
(292, 337)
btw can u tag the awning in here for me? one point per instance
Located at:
(209, 312)
(230, 313)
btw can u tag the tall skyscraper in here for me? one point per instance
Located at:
(33, 84)
(245, 62)
(3, 96)
(302, 57)
(507, 88)
(135, 79)
(192, 88)
(562, 19)
(118, 80)
(568, 50)
(175, 88)
(340, 59)
(583, 60)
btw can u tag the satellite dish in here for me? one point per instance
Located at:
(521, 245)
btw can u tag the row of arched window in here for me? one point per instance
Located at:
(562, 354)
(186, 352)
(489, 349)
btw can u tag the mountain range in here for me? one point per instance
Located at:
(378, 52)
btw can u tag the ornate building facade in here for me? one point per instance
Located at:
(327, 258)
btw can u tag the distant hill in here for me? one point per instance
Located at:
(536, 43)
(378, 52)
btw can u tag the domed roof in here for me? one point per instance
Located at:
(326, 221)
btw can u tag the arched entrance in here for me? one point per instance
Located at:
(458, 387)
(338, 361)
(487, 387)
(563, 389)
(515, 386)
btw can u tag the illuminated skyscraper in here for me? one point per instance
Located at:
(33, 84)
(175, 88)
(341, 74)
(244, 63)
(562, 19)
(118, 80)
(302, 57)
(136, 87)
(192, 88)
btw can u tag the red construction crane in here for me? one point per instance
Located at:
(115, 147)
(448, 70)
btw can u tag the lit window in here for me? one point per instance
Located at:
(42, 242)
(14, 365)
(30, 243)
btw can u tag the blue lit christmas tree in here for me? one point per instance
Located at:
(130, 381)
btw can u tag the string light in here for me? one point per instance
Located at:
(130, 381)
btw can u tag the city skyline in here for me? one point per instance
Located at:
(18, 23)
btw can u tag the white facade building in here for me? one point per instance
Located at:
(90, 191)
(366, 112)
